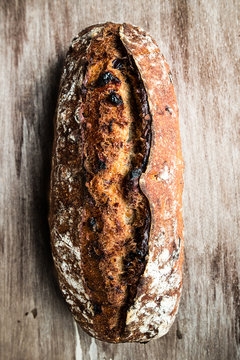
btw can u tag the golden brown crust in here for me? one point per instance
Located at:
(159, 292)
(112, 134)
(99, 218)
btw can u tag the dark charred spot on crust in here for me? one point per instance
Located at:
(118, 63)
(145, 159)
(158, 301)
(176, 249)
(128, 261)
(105, 78)
(83, 92)
(97, 250)
(92, 224)
(135, 174)
(138, 234)
(97, 309)
(141, 253)
(131, 255)
(115, 98)
(131, 180)
(94, 251)
(110, 277)
(168, 109)
(102, 164)
(145, 109)
(84, 68)
(110, 125)
(104, 128)
(141, 236)
(118, 289)
(118, 225)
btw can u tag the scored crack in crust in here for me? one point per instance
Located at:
(114, 139)
(103, 248)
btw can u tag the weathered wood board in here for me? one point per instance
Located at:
(200, 40)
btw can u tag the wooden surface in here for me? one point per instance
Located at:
(200, 40)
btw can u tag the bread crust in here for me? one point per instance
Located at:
(158, 295)
(152, 311)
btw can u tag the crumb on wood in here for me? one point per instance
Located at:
(34, 312)
(179, 334)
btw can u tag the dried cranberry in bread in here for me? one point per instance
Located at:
(116, 186)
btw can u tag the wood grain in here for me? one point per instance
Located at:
(200, 40)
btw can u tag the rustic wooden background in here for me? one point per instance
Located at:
(200, 40)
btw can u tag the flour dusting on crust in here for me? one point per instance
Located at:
(156, 303)
(65, 215)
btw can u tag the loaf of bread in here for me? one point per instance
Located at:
(116, 186)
